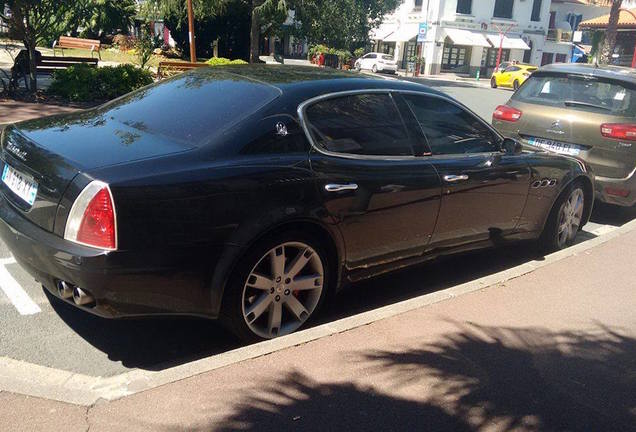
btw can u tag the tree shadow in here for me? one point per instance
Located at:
(529, 379)
(299, 403)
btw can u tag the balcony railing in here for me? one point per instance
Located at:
(558, 35)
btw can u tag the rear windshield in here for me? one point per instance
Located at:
(387, 57)
(193, 107)
(580, 93)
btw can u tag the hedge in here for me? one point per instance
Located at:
(85, 83)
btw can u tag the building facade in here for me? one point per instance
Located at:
(464, 36)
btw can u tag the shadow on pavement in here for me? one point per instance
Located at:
(148, 343)
(478, 378)
(159, 343)
(606, 214)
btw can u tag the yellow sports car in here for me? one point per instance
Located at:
(512, 76)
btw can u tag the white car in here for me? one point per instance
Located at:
(377, 62)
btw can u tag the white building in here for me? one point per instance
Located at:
(463, 36)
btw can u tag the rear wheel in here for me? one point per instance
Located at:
(277, 287)
(493, 82)
(515, 85)
(565, 219)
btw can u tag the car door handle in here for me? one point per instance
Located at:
(455, 178)
(332, 187)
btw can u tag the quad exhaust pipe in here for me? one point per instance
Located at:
(65, 290)
(68, 291)
(81, 297)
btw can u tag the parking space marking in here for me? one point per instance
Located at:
(12, 289)
(7, 261)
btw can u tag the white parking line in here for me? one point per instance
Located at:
(14, 291)
(7, 261)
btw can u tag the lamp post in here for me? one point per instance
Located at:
(634, 16)
(502, 34)
(193, 51)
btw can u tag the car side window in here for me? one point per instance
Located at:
(280, 134)
(512, 69)
(449, 129)
(361, 124)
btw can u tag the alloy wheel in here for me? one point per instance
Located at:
(570, 217)
(283, 289)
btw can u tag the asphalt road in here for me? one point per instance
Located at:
(42, 330)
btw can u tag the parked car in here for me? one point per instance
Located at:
(250, 193)
(584, 111)
(512, 76)
(377, 62)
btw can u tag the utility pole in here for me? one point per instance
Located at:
(193, 51)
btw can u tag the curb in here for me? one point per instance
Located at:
(40, 381)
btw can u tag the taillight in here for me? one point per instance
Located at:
(92, 220)
(619, 131)
(506, 113)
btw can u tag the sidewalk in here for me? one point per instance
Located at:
(12, 111)
(552, 350)
(484, 82)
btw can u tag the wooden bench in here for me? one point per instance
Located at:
(70, 42)
(48, 64)
(169, 68)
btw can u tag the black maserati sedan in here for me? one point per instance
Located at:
(251, 193)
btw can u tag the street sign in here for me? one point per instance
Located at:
(421, 33)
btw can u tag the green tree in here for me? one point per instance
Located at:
(32, 21)
(342, 24)
(96, 18)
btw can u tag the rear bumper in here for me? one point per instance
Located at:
(162, 281)
(387, 68)
(620, 192)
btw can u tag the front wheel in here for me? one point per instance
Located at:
(276, 288)
(565, 219)
(374, 69)
(493, 83)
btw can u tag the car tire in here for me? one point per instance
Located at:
(565, 219)
(515, 85)
(374, 69)
(258, 313)
(493, 83)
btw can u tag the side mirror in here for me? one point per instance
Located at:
(511, 146)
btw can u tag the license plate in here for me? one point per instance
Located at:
(555, 146)
(21, 184)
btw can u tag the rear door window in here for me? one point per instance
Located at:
(361, 124)
(449, 129)
(579, 93)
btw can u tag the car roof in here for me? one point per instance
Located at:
(308, 81)
(605, 71)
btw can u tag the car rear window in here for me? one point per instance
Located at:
(193, 107)
(579, 93)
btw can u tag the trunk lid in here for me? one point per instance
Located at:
(51, 152)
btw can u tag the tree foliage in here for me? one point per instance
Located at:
(343, 24)
(96, 18)
(33, 21)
